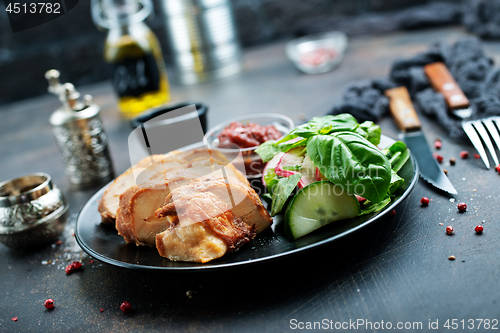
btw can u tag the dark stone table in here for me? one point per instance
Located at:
(394, 270)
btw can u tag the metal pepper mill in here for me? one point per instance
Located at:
(80, 135)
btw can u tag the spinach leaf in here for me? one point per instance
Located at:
(282, 191)
(397, 154)
(396, 182)
(293, 168)
(373, 132)
(323, 125)
(267, 150)
(271, 180)
(289, 145)
(347, 159)
(370, 207)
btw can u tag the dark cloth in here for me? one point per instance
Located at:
(465, 59)
(422, 16)
(482, 17)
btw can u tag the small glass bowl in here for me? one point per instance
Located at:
(33, 211)
(317, 53)
(252, 162)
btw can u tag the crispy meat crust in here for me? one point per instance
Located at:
(214, 214)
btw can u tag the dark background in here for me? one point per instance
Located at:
(73, 45)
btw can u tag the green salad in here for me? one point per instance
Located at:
(330, 169)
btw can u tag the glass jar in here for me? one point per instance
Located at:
(134, 53)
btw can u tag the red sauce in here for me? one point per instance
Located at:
(249, 135)
(318, 57)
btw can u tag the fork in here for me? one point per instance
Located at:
(443, 82)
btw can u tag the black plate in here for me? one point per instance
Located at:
(102, 241)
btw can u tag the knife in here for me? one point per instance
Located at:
(442, 81)
(407, 120)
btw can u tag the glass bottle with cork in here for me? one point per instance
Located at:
(138, 69)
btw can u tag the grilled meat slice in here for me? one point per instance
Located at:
(203, 228)
(136, 220)
(145, 171)
(110, 200)
(238, 196)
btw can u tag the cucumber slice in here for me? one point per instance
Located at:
(316, 205)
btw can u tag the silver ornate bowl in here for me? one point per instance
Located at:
(33, 211)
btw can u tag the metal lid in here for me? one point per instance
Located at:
(24, 189)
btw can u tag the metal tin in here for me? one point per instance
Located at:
(203, 39)
(33, 211)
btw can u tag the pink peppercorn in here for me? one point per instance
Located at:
(76, 265)
(449, 230)
(49, 304)
(425, 201)
(462, 207)
(126, 307)
(464, 154)
(68, 269)
(438, 144)
(479, 229)
(438, 157)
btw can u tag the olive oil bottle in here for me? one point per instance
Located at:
(134, 54)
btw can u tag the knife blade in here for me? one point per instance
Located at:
(407, 120)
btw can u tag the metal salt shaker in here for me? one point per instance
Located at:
(80, 135)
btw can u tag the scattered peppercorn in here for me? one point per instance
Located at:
(452, 161)
(477, 156)
(449, 230)
(438, 157)
(101, 310)
(451, 258)
(69, 269)
(445, 172)
(498, 168)
(49, 304)
(126, 307)
(76, 265)
(14, 319)
(392, 213)
(464, 154)
(425, 201)
(479, 229)
(438, 144)
(462, 207)
(91, 261)
(59, 242)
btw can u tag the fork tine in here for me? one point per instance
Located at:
(486, 139)
(493, 130)
(474, 138)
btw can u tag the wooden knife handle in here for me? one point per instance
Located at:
(402, 109)
(442, 80)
